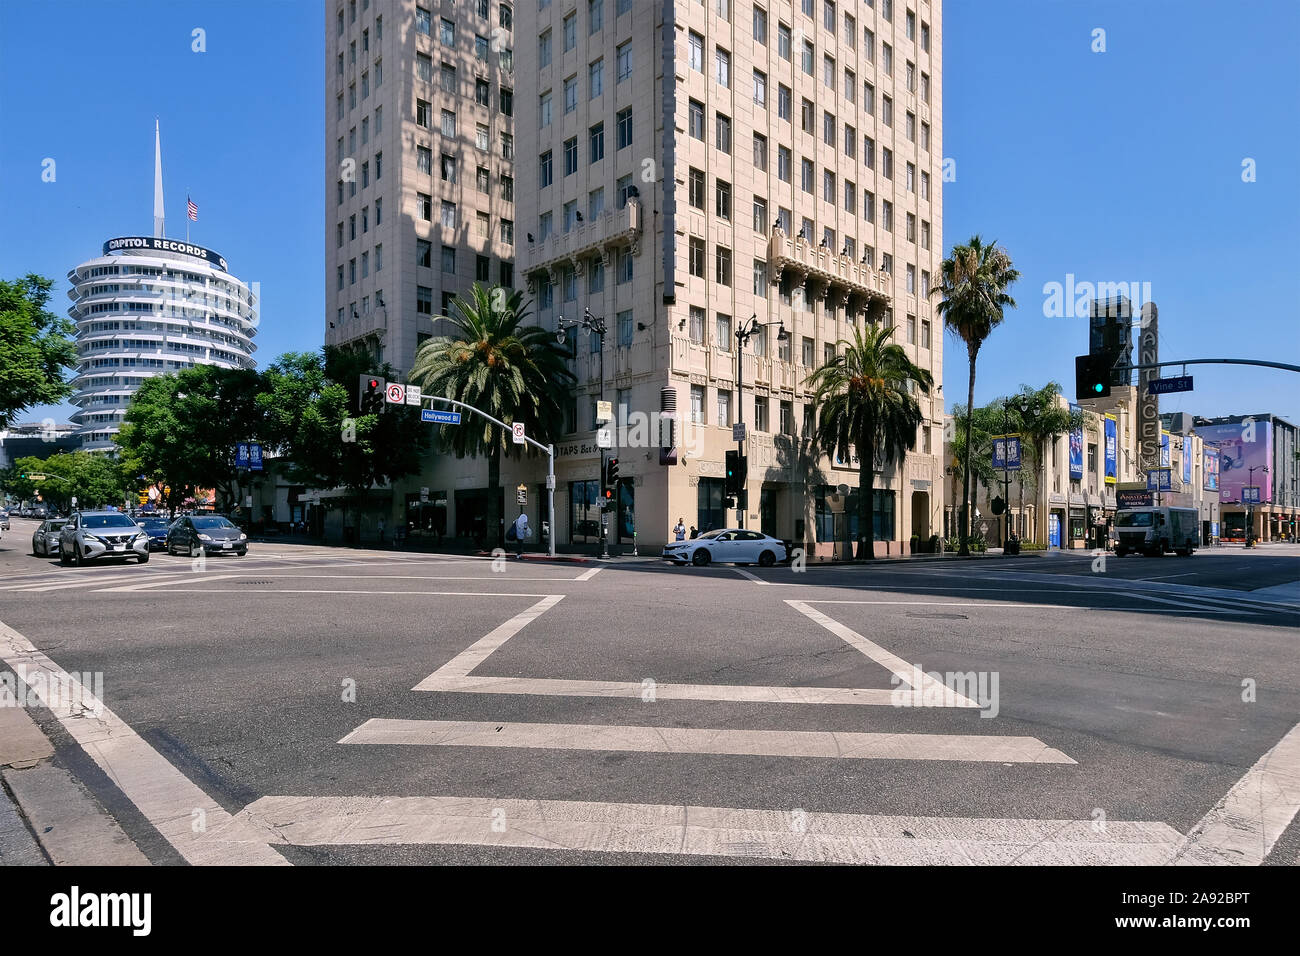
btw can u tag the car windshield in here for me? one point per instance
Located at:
(152, 523)
(106, 521)
(55, 525)
(211, 524)
(713, 534)
(1136, 519)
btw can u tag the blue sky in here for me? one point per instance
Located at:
(1117, 166)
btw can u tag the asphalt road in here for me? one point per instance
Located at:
(339, 706)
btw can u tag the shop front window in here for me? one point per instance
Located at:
(584, 512)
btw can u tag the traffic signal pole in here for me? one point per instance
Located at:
(550, 458)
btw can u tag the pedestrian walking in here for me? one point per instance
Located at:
(381, 532)
(679, 531)
(522, 532)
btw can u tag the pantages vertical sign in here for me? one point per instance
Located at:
(1148, 410)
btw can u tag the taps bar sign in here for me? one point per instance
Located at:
(165, 245)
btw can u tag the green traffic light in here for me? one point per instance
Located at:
(1098, 388)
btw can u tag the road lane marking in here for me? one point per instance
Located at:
(930, 688)
(794, 836)
(751, 575)
(1243, 827)
(480, 650)
(588, 575)
(741, 693)
(682, 740)
(165, 796)
(340, 591)
(164, 580)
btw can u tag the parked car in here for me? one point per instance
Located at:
(4, 520)
(734, 545)
(91, 535)
(156, 528)
(192, 534)
(45, 539)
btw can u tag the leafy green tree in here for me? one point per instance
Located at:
(35, 348)
(865, 399)
(1045, 422)
(310, 416)
(94, 480)
(496, 363)
(183, 428)
(973, 285)
(983, 424)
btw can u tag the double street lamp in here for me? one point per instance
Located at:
(1021, 405)
(744, 332)
(1250, 507)
(596, 326)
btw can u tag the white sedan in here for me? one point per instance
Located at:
(734, 545)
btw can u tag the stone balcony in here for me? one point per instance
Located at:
(611, 230)
(824, 273)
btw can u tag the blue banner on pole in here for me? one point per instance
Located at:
(1160, 479)
(1006, 452)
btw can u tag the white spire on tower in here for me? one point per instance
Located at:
(157, 183)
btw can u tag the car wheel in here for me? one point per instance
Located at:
(766, 559)
(242, 553)
(1120, 552)
(77, 559)
(195, 549)
(701, 558)
(63, 557)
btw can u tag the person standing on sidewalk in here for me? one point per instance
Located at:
(679, 532)
(381, 532)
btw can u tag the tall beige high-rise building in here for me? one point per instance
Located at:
(420, 164)
(687, 170)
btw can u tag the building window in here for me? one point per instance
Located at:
(695, 247)
(596, 136)
(722, 332)
(570, 94)
(424, 204)
(722, 263)
(571, 156)
(695, 189)
(544, 177)
(722, 199)
(424, 253)
(624, 119)
(925, 333)
(624, 60)
(722, 67)
(724, 133)
(544, 49)
(697, 404)
(695, 119)
(448, 215)
(624, 322)
(695, 51)
(760, 215)
(760, 414)
(423, 300)
(697, 325)
(570, 31)
(449, 259)
(596, 78)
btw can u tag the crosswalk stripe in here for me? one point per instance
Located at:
(474, 655)
(744, 693)
(1243, 827)
(892, 662)
(681, 740)
(791, 835)
(168, 799)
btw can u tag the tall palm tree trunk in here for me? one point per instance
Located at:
(495, 530)
(966, 487)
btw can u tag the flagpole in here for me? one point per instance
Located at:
(187, 215)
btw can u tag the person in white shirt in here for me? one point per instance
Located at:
(680, 531)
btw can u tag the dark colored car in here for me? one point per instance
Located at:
(212, 534)
(156, 529)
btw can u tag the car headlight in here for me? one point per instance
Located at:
(242, 536)
(204, 537)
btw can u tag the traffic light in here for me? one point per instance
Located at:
(737, 466)
(611, 472)
(1092, 375)
(370, 394)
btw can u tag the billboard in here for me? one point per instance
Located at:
(1210, 468)
(1164, 450)
(1242, 446)
(1112, 450)
(1187, 461)
(1076, 453)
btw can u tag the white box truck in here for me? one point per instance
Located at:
(1155, 531)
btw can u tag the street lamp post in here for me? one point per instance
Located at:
(1021, 405)
(596, 327)
(1250, 507)
(744, 332)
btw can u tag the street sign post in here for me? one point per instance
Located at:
(604, 411)
(604, 438)
(395, 394)
(517, 433)
(439, 417)
(738, 431)
(1165, 386)
(413, 395)
(521, 494)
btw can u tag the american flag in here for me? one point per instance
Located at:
(193, 209)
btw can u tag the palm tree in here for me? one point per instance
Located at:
(492, 361)
(973, 283)
(983, 424)
(1045, 422)
(866, 402)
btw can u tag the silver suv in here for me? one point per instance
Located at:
(90, 535)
